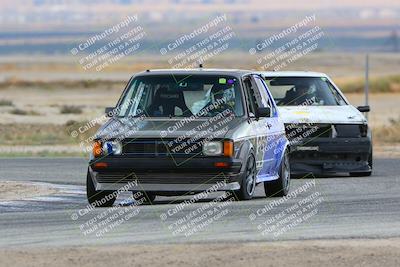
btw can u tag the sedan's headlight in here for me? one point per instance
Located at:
(214, 148)
(112, 148)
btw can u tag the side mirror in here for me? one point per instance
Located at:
(363, 108)
(263, 112)
(109, 111)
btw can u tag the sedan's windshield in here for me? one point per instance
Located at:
(181, 96)
(295, 91)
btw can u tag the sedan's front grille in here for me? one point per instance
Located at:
(295, 132)
(298, 131)
(154, 147)
(162, 178)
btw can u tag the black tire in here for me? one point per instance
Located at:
(248, 181)
(149, 197)
(98, 198)
(368, 173)
(280, 187)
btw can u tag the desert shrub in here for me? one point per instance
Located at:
(388, 133)
(4, 102)
(70, 109)
(376, 85)
(18, 111)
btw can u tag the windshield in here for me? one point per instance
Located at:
(310, 91)
(181, 96)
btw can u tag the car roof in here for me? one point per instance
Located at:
(232, 72)
(292, 74)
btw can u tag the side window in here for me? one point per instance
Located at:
(267, 102)
(262, 95)
(251, 101)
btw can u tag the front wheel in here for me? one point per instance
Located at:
(280, 186)
(248, 184)
(98, 198)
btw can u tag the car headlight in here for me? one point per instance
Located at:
(214, 148)
(112, 148)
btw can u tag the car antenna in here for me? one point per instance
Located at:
(200, 66)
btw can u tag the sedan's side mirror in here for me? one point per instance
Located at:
(263, 112)
(363, 108)
(109, 111)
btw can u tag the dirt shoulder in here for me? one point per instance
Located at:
(387, 151)
(21, 190)
(371, 252)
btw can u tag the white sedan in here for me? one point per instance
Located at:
(327, 134)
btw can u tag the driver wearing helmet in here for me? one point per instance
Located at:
(219, 101)
(299, 95)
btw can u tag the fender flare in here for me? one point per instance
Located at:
(286, 147)
(244, 152)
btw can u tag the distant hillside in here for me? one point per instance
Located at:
(55, 26)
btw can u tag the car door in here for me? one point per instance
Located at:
(276, 139)
(259, 129)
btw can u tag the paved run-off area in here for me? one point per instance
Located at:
(332, 221)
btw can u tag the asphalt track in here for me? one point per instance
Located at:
(324, 208)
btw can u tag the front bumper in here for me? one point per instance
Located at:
(331, 155)
(165, 174)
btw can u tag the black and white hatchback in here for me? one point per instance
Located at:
(175, 132)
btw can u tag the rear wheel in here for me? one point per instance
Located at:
(98, 198)
(248, 184)
(280, 187)
(368, 173)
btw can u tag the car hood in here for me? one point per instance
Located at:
(162, 128)
(346, 114)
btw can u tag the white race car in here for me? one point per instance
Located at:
(327, 134)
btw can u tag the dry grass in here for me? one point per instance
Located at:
(43, 134)
(389, 133)
(386, 84)
(22, 112)
(381, 84)
(4, 102)
(70, 110)
(54, 85)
